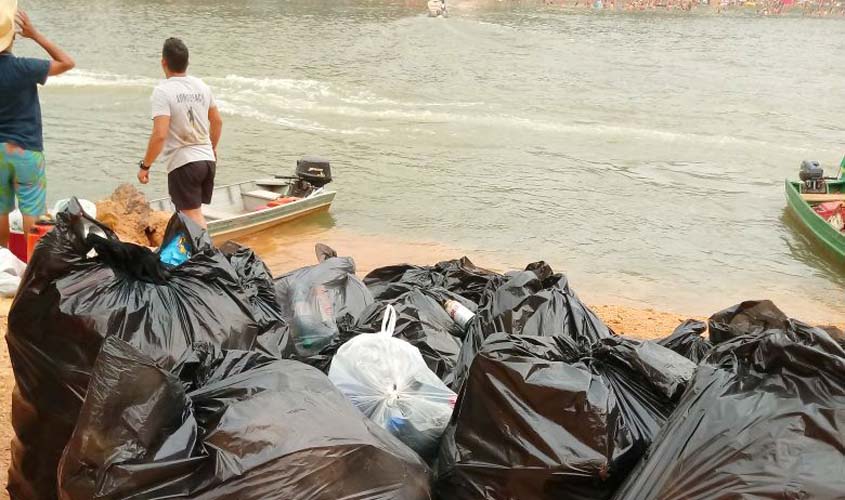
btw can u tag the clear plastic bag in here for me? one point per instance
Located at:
(388, 380)
(321, 301)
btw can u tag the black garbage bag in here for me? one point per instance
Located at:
(687, 340)
(545, 418)
(754, 316)
(68, 303)
(835, 332)
(228, 425)
(319, 302)
(459, 276)
(257, 281)
(534, 302)
(764, 418)
(425, 324)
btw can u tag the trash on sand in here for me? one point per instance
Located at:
(425, 324)
(318, 301)
(753, 316)
(544, 417)
(68, 303)
(202, 388)
(764, 417)
(534, 302)
(388, 380)
(460, 277)
(174, 252)
(89, 207)
(225, 425)
(256, 280)
(459, 313)
(687, 340)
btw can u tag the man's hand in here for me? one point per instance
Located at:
(143, 176)
(27, 29)
(61, 62)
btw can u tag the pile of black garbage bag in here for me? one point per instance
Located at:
(191, 397)
(207, 380)
(764, 416)
(230, 424)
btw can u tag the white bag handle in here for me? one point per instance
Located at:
(388, 323)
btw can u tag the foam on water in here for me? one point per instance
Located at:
(85, 78)
(281, 96)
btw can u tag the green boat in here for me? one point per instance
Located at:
(802, 206)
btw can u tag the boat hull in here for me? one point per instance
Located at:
(814, 224)
(228, 220)
(221, 231)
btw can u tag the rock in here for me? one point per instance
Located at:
(128, 214)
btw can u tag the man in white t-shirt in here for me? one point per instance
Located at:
(186, 129)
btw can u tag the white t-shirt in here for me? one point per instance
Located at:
(186, 100)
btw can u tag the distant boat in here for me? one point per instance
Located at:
(819, 204)
(437, 8)
(250, 207)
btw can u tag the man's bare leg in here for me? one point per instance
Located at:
(196, 215)
(28, 223)
(4, 230)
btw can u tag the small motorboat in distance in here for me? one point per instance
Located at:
(237, 210)
(437, 8)
(819, 204)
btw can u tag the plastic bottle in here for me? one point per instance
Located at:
(458, 312)
(423, 443)
(313, 323)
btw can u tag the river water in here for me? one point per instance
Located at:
(643, 154)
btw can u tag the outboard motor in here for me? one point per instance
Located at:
(812, 175)
(315, 170)
(312, 173)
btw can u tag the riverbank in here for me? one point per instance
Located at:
(809, 8)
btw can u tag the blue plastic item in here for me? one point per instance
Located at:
(175, 252)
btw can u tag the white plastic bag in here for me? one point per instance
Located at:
(388, 380)
(89, 206)
(11, 271)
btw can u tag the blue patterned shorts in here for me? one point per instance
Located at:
(22, 175)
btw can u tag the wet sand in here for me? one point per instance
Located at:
(292, 246)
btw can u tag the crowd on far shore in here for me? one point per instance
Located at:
(763, 7)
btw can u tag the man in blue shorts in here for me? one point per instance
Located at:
(22, 173)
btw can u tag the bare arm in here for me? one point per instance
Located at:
(161, 125)
(216, 127)
(61, 61)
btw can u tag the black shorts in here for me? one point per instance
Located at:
(192, 184)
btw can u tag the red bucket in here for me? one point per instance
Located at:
(36, 233)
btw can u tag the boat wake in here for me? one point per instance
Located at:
(314, 106)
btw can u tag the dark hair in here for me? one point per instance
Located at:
(175, 54)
